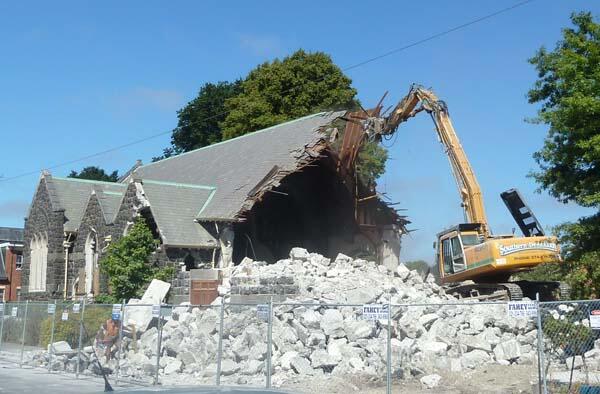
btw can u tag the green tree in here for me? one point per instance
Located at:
(198, 122)
(370, 163)
(95, 174)
(281, 90)
(568, 89)
(128, 266)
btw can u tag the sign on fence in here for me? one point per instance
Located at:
(595, 319)
(262, 311)
(65, 316)
(2, 308)
(521, 309)
(376, 312)
(51, 309)
(116, 312)
(14, 311)
(76, 307)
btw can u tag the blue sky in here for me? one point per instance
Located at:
(80, 77)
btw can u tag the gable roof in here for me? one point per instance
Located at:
(109, 202)
(174, 208)
(72, 196)
(236, 166)
(11, 234)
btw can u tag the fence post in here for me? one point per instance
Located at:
(51, 346)
(2, 324)
(23, 334)
(120, 340)
(269, 342)
(540, 341)
(159, 343)
(389, 349)
(220, 348)
(80, 339)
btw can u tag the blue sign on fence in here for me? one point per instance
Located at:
(116, 312)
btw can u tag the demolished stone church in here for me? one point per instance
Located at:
(256, 196)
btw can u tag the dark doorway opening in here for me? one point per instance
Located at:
(311, 209)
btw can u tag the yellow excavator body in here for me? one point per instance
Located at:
(462, 256)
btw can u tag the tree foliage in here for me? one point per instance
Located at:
(370, 163)
(275, 92)
(568, 89)
(95, 174)
(128, 263)
(198, 122)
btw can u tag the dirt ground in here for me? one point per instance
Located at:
(494, 379)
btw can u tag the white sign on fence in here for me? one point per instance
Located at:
(155, 310)
(376, 312)
(65, 316)
(262, 311)
(76, 307)
(521, 309)
(14, 311)
(595, 319)
(51, 309)
(2, 308)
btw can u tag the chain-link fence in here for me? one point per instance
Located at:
(571, 346)
(308, 347)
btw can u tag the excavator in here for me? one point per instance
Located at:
(472, 262)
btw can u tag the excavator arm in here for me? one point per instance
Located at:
(420, 99)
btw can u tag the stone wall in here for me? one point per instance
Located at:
(43, 219)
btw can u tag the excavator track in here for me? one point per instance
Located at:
(486, 291)
(510, 291)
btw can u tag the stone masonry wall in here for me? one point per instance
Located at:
(43, 219)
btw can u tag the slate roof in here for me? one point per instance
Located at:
(72, 195)
(174, 207)
(110, 202)
(11, 234)
(210, 183)
(234, 167)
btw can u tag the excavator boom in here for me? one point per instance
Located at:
(420, 99)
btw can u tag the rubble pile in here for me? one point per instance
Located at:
(314, 337)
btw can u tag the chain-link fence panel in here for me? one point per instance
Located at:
(12, 326)
(244, 345)
(60, 336)
(571, 346)
(328, 348)
(34, 341)
(139, 350)
(467, 346)
(98, 344)
(190, 341)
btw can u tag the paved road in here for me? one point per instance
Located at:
(37, 380)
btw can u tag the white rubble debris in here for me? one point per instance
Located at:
(430, 381)
(315, 339)
(141, 316)
(60, 347)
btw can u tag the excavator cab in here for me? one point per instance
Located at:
(451, 246)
